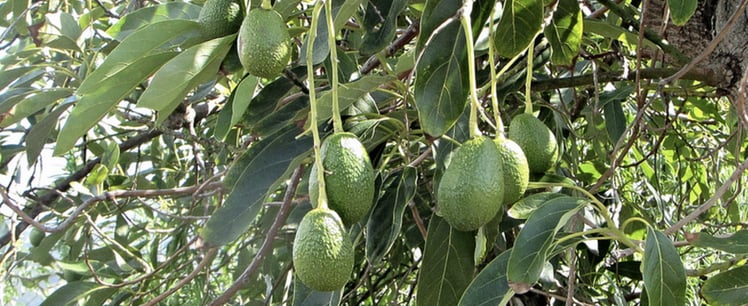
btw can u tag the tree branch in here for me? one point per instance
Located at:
(612, 76)
(398, 44)
(267, 245)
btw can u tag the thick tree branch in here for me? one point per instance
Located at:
(398, 44)
(613, 76)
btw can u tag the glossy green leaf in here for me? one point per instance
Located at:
(386, 220)
(727, 288)
(681, 10)
(34, 103)
(348, 94)
(662, 270)
(92, 107)
(71, 293)
(136, 58)
(261, 168)
(172, 82)
(236, 105)
(152, 14)
(268, 99)
(736, 243)
(490, 286)
(305, 296)
(282, 116)
(520, 21)
(523, 208)
(564, 33)
(441, 86)
(41, 132)
(59, 31)
(615, 119)
(447, 267)
(10, 75)
(380, 23)
(534, 241)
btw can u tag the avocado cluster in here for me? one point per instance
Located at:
(322, 252)
(470, 195)
(263, 45)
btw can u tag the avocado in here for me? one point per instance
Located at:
(263, 44)
(516, 170)
(322, 251)
(470, 192)
(536, 140)
(219, 18)
(349, 177)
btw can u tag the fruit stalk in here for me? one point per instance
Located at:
(322, 200)
(494, 79)
(337, 121)
(528, 80)
(474, 104)
(266, 5)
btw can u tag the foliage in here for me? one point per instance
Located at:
(161, 172)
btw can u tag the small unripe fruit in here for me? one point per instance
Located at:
(263, 44)
(322, 251)
(536, 140)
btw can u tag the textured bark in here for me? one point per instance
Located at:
(728, 61)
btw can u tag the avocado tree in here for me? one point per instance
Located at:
(521, 152)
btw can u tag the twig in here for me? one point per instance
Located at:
(417, 218)
(572, 276)
(611, 76)
(736, 175)
(399, 43)
(710, 48)
(110, 195)
(267, 245)
(203, 263)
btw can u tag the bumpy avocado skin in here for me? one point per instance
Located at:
(536, 140)
(516, 170)
(264, 45)
(219, 18)
(349, 177)
(322, 251)
(470, 192)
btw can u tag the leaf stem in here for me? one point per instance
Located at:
(337, 121)
(322, 200)
(474, 103)
(495, 79)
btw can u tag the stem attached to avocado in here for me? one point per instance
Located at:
(337, 122)
(528, 81)
(322, 200)
(494, 79)
(266, 5)
(474, 104)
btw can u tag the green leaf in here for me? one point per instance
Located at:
(490, 286)
(304, 296)
(534, 241)
(615, 119)
(40, 133)
(662, 270)
(33, 103)
(8, 76)
(380, 23)
(447, 266)
(736, 243)
(59, 31)
(237, 104)
(262, 167)
(441, 86)
(136, 58)
(727, 288)
(564, 33)
(608, 30)
(268, 99)
(386, 220)
(282, 116)
(71, 292)
(520, 21)
(152, 14)
(176, 78)
(681, 10)
(523, 208)
(348, 94)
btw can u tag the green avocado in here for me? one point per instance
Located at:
(322, 251)
(219, 18)
(536, 140)
(470, 192)
(516, 170)
(264, 45)
(349, 177)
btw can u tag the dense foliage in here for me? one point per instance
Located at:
(141, 164)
